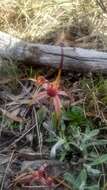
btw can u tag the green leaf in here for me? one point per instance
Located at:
(96, 143)
(92, 171)
(93, 187)
(69, 178)
(81, 180)
(100, 160)
(55, 147)
(76, 115)
(91, 134)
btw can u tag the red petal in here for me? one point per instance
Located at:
(63, 93)
(45, 85)
(40, 95)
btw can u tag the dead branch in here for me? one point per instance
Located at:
(75, 59)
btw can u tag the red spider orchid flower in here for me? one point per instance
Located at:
(51, 90)
(39, 175)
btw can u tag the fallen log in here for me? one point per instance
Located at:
(75, 59)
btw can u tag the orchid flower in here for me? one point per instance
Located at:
(39, 175)
(50, 90)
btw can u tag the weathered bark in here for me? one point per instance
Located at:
(75, 59)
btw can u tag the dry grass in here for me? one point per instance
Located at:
(40, 19)
(52, 21)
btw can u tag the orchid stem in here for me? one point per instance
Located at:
(62, 57)
(61, 64)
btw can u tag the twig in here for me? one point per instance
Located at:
(35, 187)
(38, 131)
(17, 140)
(61, 182)
(4, 177)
